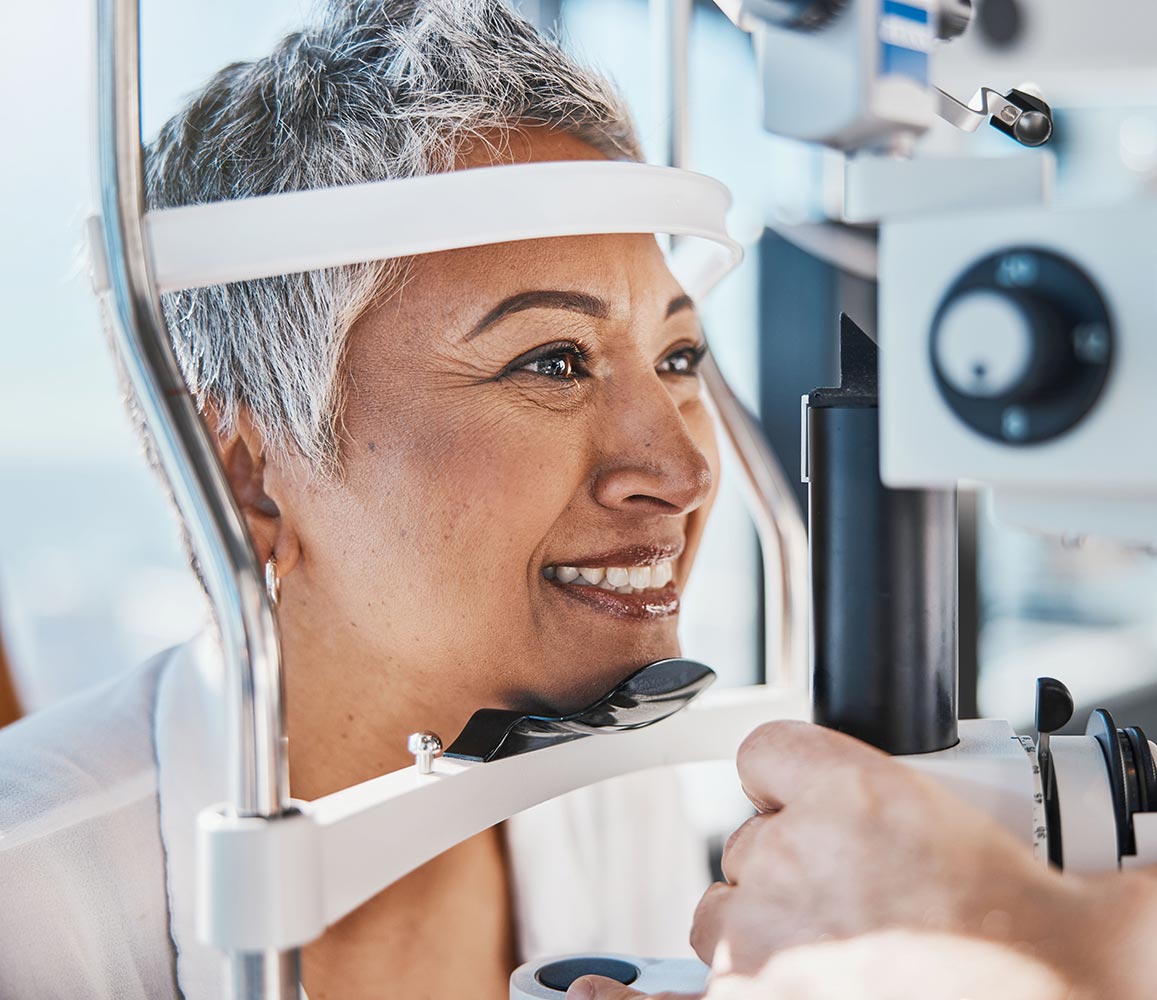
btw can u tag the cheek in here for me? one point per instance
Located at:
(465, 503)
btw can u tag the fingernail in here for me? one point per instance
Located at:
(580, 989)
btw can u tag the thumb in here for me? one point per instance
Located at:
(599, 988)
(783, 761)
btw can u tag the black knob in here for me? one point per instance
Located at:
(1132, 773)
(1021, 345)
(1034, 126)
(955, 16)
(1054, 705)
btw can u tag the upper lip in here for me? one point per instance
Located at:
(631, 555)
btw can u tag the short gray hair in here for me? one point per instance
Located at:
(378, 89)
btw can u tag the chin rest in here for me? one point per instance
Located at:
(649, 695)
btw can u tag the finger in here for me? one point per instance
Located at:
(739, 846)
(784, 761)
(707, 923)
(598, 988)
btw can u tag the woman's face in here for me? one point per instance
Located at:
(524, 429)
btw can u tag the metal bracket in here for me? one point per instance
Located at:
(1021, 115)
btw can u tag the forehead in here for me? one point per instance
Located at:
(456, 287)
(628, 270)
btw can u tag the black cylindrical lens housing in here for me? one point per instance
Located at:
(884, 588)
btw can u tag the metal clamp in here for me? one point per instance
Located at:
(1024, 117)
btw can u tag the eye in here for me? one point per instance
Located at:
(560, 362)
(684, 361)
(556, 366)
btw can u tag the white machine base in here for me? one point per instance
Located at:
(651, 975)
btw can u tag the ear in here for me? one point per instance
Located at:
(242, 454)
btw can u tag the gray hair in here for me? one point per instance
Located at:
(378, 89)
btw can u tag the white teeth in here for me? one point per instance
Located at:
(621, 579)
(617, 576)
(639, 577)
(661, 573)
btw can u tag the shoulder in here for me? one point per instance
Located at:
(79, 751)
(81, 860)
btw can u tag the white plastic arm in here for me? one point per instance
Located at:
(281, 882)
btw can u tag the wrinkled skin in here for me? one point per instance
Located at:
(412, 586)
(858, 871)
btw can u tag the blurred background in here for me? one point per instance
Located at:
(92, 575)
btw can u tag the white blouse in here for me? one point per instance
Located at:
(98, 802)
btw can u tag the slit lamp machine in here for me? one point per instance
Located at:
(1015, 350)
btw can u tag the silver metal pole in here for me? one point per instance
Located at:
(780, 528)
(778, 522)
(259, 778)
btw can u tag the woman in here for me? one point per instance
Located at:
(479, 477)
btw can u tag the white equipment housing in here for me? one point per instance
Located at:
(866, 74)
(1091, 479)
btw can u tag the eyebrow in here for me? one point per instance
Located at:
(572, 301)
(589, 305)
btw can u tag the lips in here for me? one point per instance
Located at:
(636, 582)
(645, 605)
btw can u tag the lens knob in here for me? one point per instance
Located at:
(1021, 346)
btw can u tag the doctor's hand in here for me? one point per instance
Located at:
(855, 861)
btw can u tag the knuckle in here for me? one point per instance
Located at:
(734, 849)
(769, 736)
(705, 924)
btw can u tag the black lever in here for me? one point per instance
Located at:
(1054, 709)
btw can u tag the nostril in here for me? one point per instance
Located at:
(652, 501)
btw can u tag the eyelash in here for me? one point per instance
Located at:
(578, 358)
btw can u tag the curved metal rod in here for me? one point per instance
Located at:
(260, 778)
(778, 521)
(968, 117)
(780, 528)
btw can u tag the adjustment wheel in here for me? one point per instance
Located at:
(1021, 346)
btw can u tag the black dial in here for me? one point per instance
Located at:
(1021, 345)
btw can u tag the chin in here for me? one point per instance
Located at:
(581, 684)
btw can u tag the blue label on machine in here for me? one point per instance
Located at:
(906, 37)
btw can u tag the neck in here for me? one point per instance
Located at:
(350, 712)
(349, 716)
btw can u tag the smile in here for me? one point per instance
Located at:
(618, 579)
(637, 583)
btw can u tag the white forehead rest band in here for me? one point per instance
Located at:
(199, 245)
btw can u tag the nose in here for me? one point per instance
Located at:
(649, 461)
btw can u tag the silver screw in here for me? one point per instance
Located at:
(425, 747)
(1014, 423)
(1016, 269)
(1091, 343)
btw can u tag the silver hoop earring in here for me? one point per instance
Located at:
(272, 581)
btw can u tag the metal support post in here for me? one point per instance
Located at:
(259, 778)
